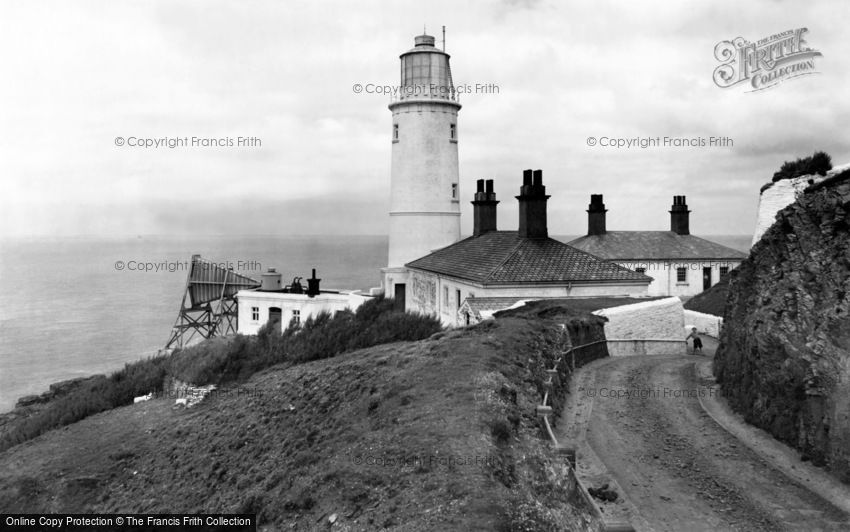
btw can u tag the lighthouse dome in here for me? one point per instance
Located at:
(424, 40)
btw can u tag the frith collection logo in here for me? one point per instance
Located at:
(765, 63)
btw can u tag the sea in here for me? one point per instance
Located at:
(72, 307)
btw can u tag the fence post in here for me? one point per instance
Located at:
(569, 453)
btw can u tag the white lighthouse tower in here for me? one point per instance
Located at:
(424, 187)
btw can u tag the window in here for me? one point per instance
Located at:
(640, 270)
(446, 296)
(454, 191)
(724, 270)
(395, 132)
(681, 275)
(296, 316)
(453, 132)
(255, 313)
(457, 296)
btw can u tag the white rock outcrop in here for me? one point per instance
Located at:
(776, 196)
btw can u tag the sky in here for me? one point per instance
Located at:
(79, 75)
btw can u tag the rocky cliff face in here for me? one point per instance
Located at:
(784, 356)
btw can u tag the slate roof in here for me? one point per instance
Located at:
(621, 245)
(504, 258)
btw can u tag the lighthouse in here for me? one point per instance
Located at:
(424, 185)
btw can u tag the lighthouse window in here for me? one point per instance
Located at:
(453, 132)
(724, 271)
(454, 191)
(681, 275)
(395, 132)
(296, 316)
(255, 313)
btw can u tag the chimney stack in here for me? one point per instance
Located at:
(680, 216)
(313, 285)
(596, 215)
(532, 205)
(484, 208)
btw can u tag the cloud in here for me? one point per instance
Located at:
(284, 73)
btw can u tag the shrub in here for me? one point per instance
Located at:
(819, 163)
(205, 363)
(231, 360)
(500, 430)
(375, 322)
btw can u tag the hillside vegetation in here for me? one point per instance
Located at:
(437, 434)
(711, 301)
(220, 361)
(818, 163)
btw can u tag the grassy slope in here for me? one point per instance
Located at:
(711, 301)
(464, 394)
(222, 361)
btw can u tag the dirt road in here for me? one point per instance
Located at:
(640, 427)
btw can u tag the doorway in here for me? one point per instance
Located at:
(399, 296)
(274, 318)
(706, 278)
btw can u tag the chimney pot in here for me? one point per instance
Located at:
(479, 185)
(313, 285)
(484, 208)
(532, 206)
(538, 178)
(596, 215)
(680, 216)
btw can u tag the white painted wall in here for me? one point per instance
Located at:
(429, 293)
(424, 215)
(707, 324)
(391, 277)
(665, 281)
(308, 306)
(662, 319)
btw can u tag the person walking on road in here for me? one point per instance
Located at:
(697, 341)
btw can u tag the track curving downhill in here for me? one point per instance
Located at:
(640, 426)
